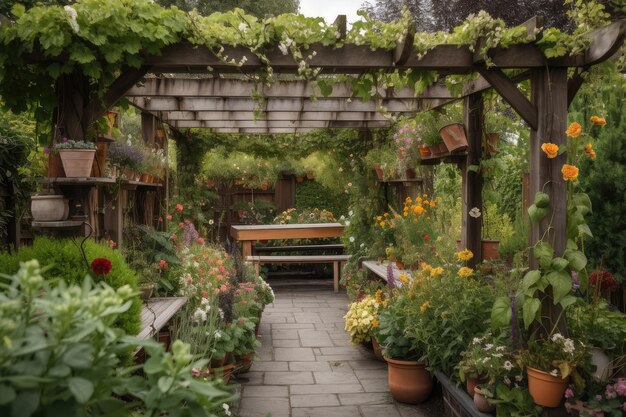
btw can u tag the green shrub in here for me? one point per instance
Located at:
(312, 194)
(66, 263)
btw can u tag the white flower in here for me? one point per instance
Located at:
(205, 302)
(350, 213)
(500, 348)
(488, 346)
(211, 222)
(218, 335)
(475, 340)
(556, 337)
(243, 27)
(474, 212)
(199, 315)
(347, 222)
(554, 372)
(362, 245)
(283, 48)
(226, 408)
(72, 15)
(351, 239)
(508, 365)
(507, 380)
(568, 346)
(497, 355)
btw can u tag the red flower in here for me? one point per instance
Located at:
(101, 266)
(163, 264)
(602, 280)
(179, 208)
(426, 238)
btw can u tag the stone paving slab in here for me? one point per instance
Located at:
(307, 367)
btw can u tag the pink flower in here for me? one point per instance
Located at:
(181, 225)
(620, 386)
(160, 219)
(173, 237)
(223, 288)
(168, 217)
(200, 241)
(163, 264)
(187, 222)
(112, 244)
(195, 372)
(244, 302)
(179, 208)
(598, 397)
(204, 294)
(569, 393)
(189, 280)
(46, 150)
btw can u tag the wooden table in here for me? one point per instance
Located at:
(248, 235)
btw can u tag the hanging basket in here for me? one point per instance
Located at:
(454, 137)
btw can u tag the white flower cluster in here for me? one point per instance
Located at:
(72, 14)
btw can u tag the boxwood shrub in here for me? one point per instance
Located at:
(66, 263)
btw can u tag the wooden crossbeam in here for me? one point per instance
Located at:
(271, 105)
(272, 116)
(262, 124)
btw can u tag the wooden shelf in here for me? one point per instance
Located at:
(60, 225)
(399, 180)
(90, 181)
(447, 157)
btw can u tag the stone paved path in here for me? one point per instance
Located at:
(307, 366)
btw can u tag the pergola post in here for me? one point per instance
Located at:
(549, 95)
(71, 118)
(472, 185)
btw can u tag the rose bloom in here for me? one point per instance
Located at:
(179, 208)
(550, 149)
(570, 172)
(168, 217)
(598, 121)
(574, 130)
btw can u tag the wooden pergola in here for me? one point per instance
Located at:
(225, 104)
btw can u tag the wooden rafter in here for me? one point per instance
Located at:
(279, 124)
(272, 116)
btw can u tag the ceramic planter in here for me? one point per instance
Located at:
(481, 402)
(547, 390)
(49, 208)
(77, 162)
(602, 363)
(454, 137)
(409, 381)
(146, 291)
(472, 383)
(377, 350)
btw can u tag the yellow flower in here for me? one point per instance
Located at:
(435, 272)
(574, 130)
(404, 279)
(465, 255)
(598, 121)
(570, 172)
(379, 296)
(382, 224)
(379, 218)
(375, 323)
(424, 306)
(550, 149)
(590, 151)
(465, 272)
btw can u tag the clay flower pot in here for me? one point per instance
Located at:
(472, 383)
(547, 390)
(49, 207)
(481, 402)
(492, 140)
(377, 350)
(379, 171)
(77, 162)
(424, 151)
(218, 363)
(409, 381)
(454, 137)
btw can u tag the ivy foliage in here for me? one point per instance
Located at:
(98, 39)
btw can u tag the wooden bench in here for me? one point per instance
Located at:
(381, 270)
(336, 260)
(337, 247)
(157, 312)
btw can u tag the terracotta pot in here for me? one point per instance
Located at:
(224, 372)
(454, 137)
(77, 162)
(433, 149)
(481, 402)
(379, 171)
(491, 142)
(439, 149)
(602, 363)
(265, 186)
(55, 166)
(377, 351)
(146, 291)
(472, 383)
(424, 151)
(490, 249)
(400, 265)
(218, 363)
(147, 178)
(410, 174)
(49, 208)
(244, 363)
(299, 179)
(546, 390)
(409, 381)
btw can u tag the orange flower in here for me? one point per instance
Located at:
(598, 121)
(574, 130)
(570, 172)
(550, 149)
(375, 323)
(590, 151)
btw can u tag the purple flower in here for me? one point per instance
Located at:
(575, 280)
(620, 386)
(64, 139)
(391, 282)
(190, 234)
(46, 150)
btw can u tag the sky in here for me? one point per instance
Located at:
(329, 9)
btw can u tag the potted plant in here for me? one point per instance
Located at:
(549, 364)
(76, 156)
(409, 380)
(383, 161)
(362, 320)
(245, 341)
(126, 157)
(599, 400)
(46, 207)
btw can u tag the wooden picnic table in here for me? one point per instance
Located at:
(249, 234)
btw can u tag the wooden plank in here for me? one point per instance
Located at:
(381, 270)
(365, 116)
(341, 22)
(296, 259)
(511, 94)
(471, 227)
(604, 43)
(299, 248)
(157, 312)
(573, 85)
(286, 231)
(270, 125)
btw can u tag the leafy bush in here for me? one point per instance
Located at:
(312, 194)
(61, 356)
(65, 263)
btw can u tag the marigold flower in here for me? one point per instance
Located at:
(465, 272)
(570, 172)
(574, 130)
(424, 306)
(465, 255)
(550, 149)
(590, 151)
(598, 121)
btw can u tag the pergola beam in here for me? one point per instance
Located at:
(262, 124)
(272, 116)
